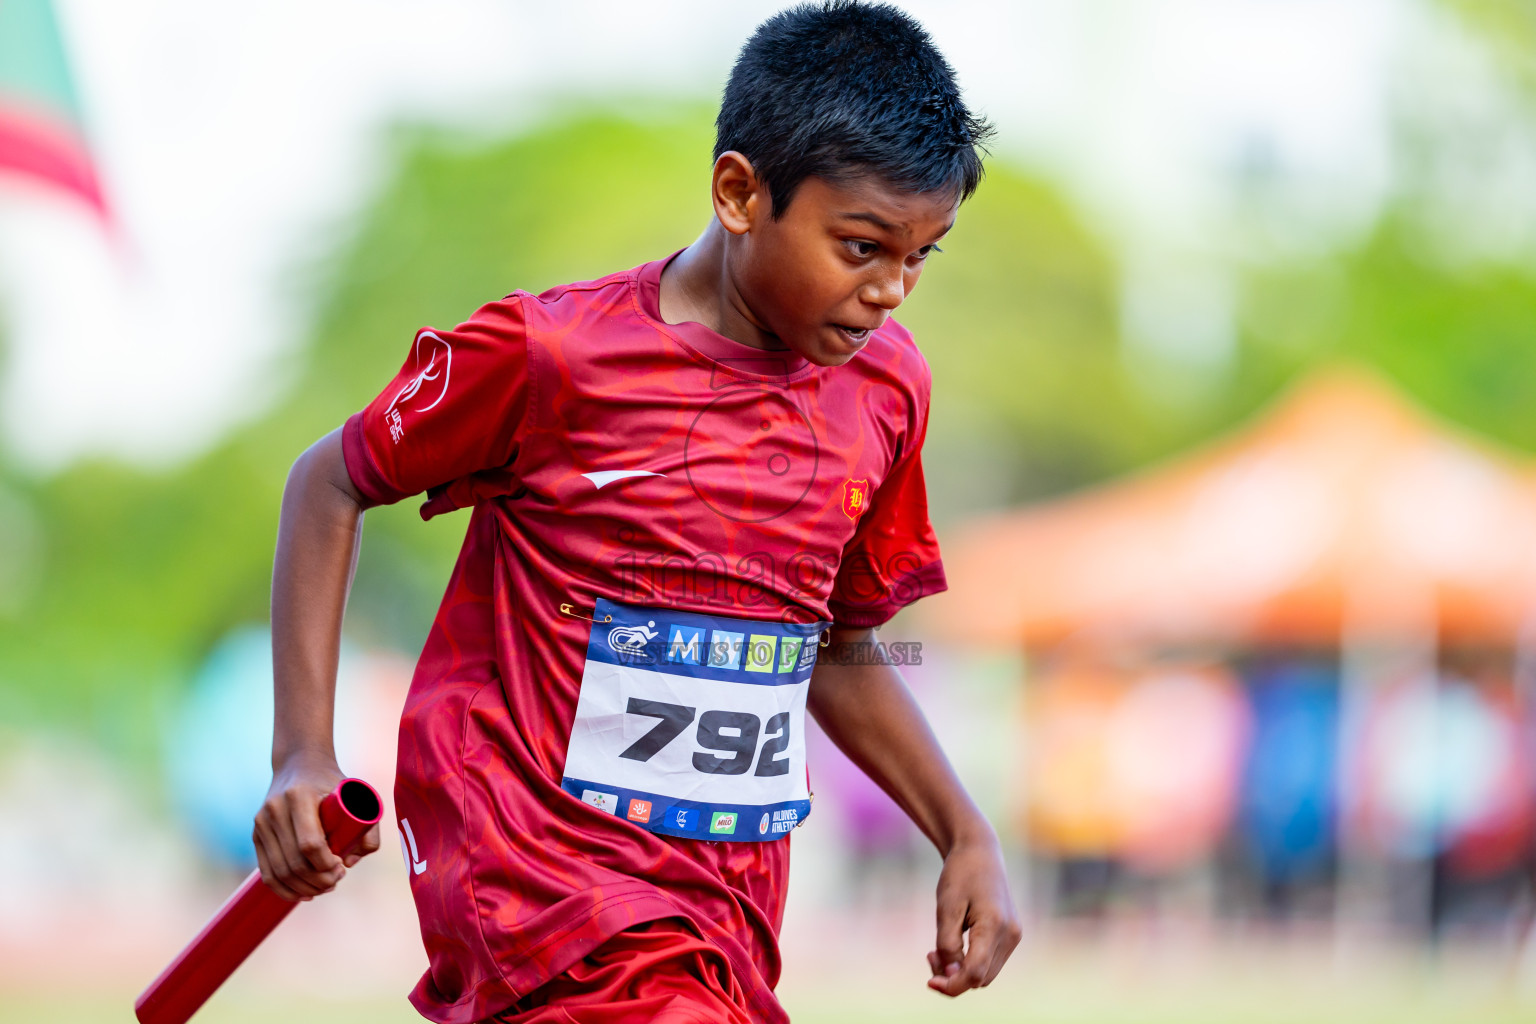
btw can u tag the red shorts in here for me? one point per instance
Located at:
(657, 972)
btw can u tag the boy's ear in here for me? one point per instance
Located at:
(738, 194)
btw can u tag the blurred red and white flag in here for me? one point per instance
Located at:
(41, 133)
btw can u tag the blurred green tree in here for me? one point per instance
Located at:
(137, 574)
(1459, 339)
(146, 570)
(1508, 28)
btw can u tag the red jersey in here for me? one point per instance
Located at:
(713, 506)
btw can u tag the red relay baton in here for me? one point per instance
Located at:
(348, 811)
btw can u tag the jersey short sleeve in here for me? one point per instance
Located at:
(452, 419)
(893, 558)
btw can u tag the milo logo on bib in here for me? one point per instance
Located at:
(691, 725)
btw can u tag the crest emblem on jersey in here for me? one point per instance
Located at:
(855, 497)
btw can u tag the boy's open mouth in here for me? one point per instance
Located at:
(855, 335)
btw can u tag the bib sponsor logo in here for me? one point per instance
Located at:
(760, 650)
(781, 822)
(762, 826)
(602, 801)
(684, 819)
(631, 639)
(722, 823)
(789, 652)
(639, 810)
(685, 645)
(725, 648)
(677, 645)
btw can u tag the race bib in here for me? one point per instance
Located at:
(693, 725)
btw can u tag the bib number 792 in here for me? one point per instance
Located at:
(731, 732)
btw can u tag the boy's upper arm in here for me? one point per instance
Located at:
(893, 558)
(457, 406)
(329, 452)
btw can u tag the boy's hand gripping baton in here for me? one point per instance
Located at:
(347, 812)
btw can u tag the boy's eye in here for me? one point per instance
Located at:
(862, 248)
(927, 251)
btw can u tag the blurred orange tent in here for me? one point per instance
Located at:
(1342, 511)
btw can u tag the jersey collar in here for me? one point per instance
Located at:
(727, 354)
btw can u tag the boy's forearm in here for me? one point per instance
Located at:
(317, 544)
(317, 541)
(870, 714)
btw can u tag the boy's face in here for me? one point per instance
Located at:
(829, 271)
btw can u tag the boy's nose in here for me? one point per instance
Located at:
(887, 290)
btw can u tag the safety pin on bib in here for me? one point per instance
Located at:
(569, 610)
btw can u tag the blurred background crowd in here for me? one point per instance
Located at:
(1232, 458)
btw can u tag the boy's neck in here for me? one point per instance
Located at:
(697, 286)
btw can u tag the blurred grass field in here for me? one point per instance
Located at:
(1470, 988)
(1002, 1007)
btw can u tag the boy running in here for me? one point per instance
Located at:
(696, 489)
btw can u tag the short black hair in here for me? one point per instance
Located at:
(842, 88)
